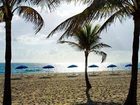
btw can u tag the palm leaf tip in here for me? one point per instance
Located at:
(51, 4)
(31, 15)
(104, 55)
(105, 45)
(61, 42)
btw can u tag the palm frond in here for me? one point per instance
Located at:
(88, 41)
(130, 3)
(73, 44)
(73, 23)
(96, 28)
(81, 1)
(88, 29)
(103, 54)
(99, 46)
(97, 10)
(121, 14)
(51, 4)
(31, 15)
(12, 3)
(94, 39)
(92, 36)
(82, 36)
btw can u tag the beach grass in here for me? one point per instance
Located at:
(62, 89)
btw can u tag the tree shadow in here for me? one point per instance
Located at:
(45, 77)
(91, 102)
(99, 103)
(16, 78)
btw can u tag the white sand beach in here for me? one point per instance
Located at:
(61, 89)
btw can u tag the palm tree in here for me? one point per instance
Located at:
(7, 10)
(88, 40)
(112, 9)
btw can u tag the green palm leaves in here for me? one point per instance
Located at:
(26, 12)
(31, 15)
(87, 39)
(99, 9)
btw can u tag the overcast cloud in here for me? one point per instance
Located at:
(28, 47)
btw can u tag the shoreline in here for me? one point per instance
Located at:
(105, 71)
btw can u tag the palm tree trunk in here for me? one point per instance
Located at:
(132, 95)
(7, 81)
(88, 85)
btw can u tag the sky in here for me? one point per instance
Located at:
(30, 48)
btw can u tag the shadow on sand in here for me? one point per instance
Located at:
(90, 101)
(45, 77)
(15, 78)
(99, 103)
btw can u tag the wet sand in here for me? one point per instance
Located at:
(65, 89)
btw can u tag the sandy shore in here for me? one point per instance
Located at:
(61, 89)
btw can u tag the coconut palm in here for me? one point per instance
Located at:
(112, 9)
(88, 40)
(7, 10)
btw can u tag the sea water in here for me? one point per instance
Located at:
(60, 68)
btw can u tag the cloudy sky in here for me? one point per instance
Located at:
(28, 47)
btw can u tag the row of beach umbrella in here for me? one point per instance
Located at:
(111, 65)
(44, 67)
(92, 66)
(25, 67)
(71, 66)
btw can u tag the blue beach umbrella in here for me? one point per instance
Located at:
(128, 65)
(48, 67)
(91, 66)
(22, 67)
(72, 66)
(111, 66)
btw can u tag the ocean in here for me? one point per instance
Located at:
(61, 68)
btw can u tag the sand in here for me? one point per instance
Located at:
(61, 89)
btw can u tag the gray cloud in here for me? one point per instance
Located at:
(28, 47)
